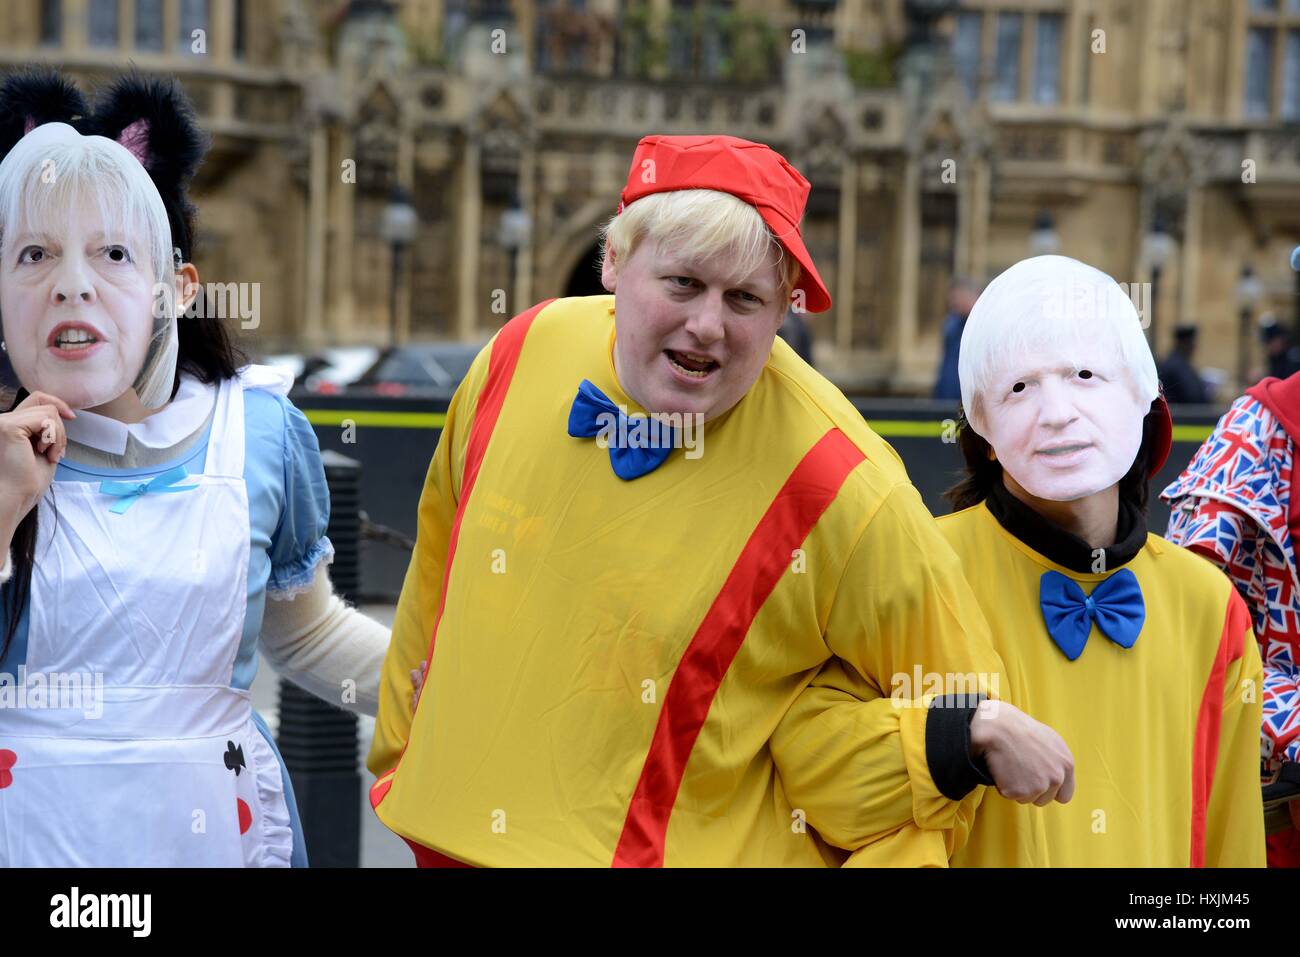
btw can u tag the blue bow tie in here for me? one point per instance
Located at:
(130, 492)
(1115, 605)
(636, 445)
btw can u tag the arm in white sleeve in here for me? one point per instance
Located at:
(325, 646)
(7, 569)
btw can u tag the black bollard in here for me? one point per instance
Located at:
(317, 739)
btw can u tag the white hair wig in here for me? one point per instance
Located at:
(1050, 305)
(55, 172)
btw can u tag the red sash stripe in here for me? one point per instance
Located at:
(501, 369)
(806, 494)
(1205, 749)
(502, 361)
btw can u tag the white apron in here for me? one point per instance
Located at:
(171, 771)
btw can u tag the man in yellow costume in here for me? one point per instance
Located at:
(649, 530)
(1138, 652)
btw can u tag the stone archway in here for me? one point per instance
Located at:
(562, 259)
(584, 278)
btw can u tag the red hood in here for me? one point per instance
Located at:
(1282, 398)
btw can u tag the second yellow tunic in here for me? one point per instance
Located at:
(1164, 734)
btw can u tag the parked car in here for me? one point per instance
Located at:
(423, 368)
(327, 372)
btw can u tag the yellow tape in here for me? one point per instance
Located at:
(383, 420)
(888, 428)
(1192, 433)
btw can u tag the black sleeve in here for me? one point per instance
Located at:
(954, 769)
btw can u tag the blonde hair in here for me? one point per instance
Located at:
(701, 224)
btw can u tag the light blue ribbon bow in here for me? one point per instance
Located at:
(130, 492)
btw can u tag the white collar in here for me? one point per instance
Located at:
(177, 420)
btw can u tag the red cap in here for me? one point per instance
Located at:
(751, 171)
(1162, 439)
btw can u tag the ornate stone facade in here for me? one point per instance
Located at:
(936, 134)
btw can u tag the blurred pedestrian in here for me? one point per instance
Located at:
(1281, 354)
(797, 335)
(1183, 384)
(961, 299)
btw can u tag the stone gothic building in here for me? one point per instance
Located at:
(1156, 139)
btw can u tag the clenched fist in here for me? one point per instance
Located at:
(1029, 761)
(32, 441)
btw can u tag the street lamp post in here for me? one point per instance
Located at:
(925, 56)
(398, 229)
(1249, 291)
(1295, 268)
(514, 232)
(1044, 241)
(1295, 337)
(1159, 249)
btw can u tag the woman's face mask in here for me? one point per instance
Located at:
(77, 309)
(1064, 428)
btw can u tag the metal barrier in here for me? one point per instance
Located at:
(394, 438)
(318, 740)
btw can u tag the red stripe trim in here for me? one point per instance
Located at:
(806, 494)
(428, 857)
(501, 369)
(379, 790)
(1205, 749)
(502, 361)
(1208, 552)
(424, 856)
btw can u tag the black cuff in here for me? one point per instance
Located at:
(954, 769)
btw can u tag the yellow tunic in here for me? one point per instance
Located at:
(613, 659)
(1165, 735)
